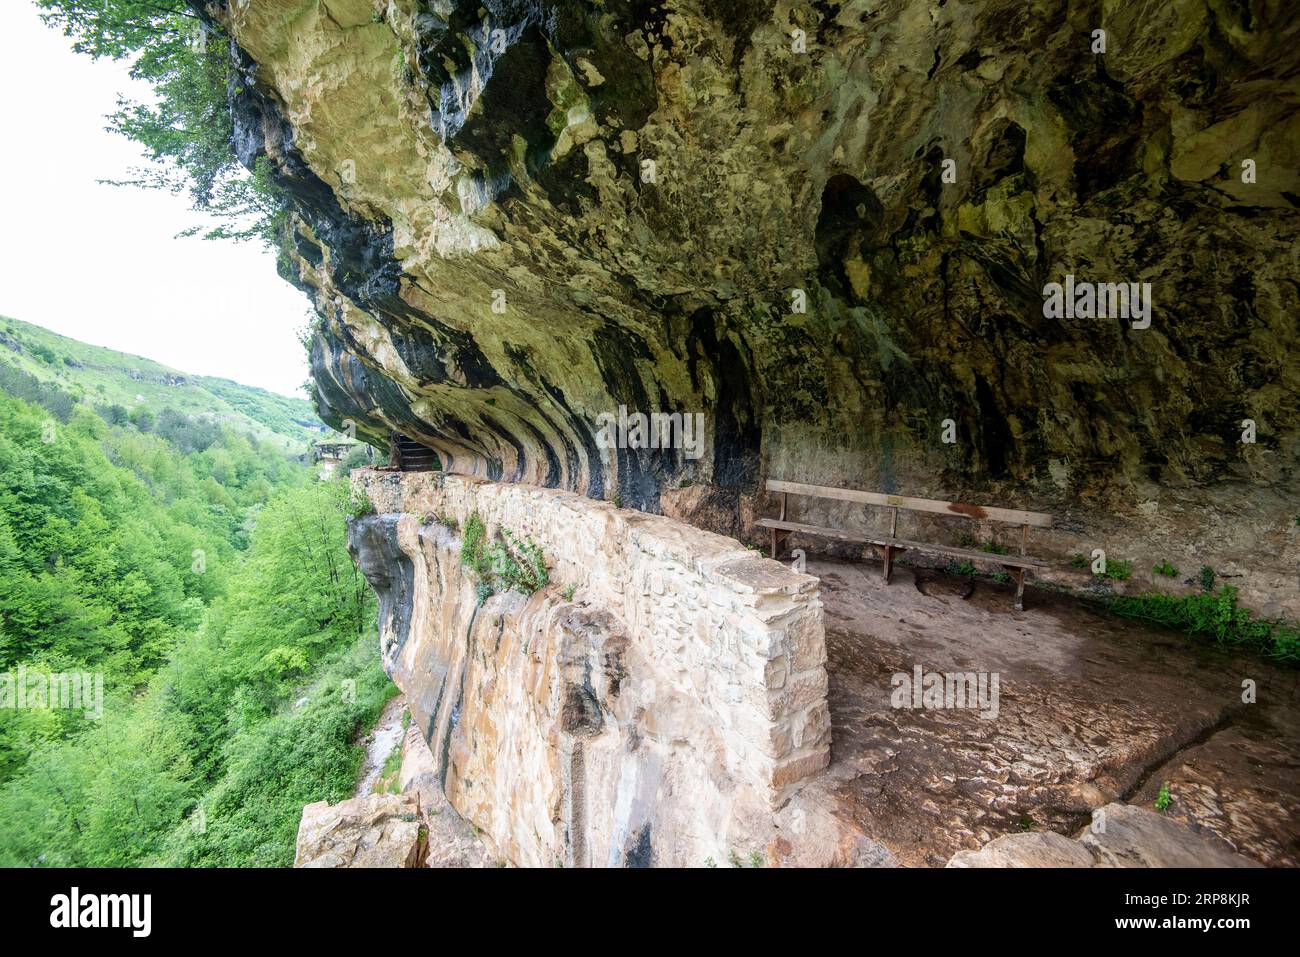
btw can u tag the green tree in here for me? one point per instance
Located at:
(187, 130)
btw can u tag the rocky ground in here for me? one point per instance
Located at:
(413, 828)
(1092, 710)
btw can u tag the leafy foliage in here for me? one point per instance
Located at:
(1206, 578)
(1164, 798)
(187, 130)
(212, 589)
(1214, 615)
(1118, 569)
(507, 562)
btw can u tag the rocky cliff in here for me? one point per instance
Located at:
(830, 228)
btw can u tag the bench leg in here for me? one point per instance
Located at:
(889, 562)
(1019, 574)
(778, 541)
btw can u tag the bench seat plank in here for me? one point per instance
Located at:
(1014, 516)
(1015, 561)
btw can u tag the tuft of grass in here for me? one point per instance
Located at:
(1214, 615)
(1117, 569)
(993, 548)
(472, 546)
(1165, 568)
(569, 591)
(1164, 799)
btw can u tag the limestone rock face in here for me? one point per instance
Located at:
(378, 830)
(1126, 836)
(451, 842)
(1038, 849)
(1136, 837)
(514, 216)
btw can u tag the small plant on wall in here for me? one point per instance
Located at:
(359, 504)
(504, 563)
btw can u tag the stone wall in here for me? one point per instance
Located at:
(660, 715)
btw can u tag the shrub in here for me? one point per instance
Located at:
(1166, 569)
(1206, 578)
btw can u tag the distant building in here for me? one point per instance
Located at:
(329, 454)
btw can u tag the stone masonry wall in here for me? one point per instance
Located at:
(660, 715)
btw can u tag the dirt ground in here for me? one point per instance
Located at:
(1091, 709)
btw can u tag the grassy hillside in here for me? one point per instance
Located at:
(104, 377)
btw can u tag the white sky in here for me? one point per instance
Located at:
(100, 263)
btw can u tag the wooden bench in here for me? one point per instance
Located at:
(1017, 565)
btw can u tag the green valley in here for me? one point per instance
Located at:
(197, 569)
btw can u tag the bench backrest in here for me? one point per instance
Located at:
(1013, 516)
